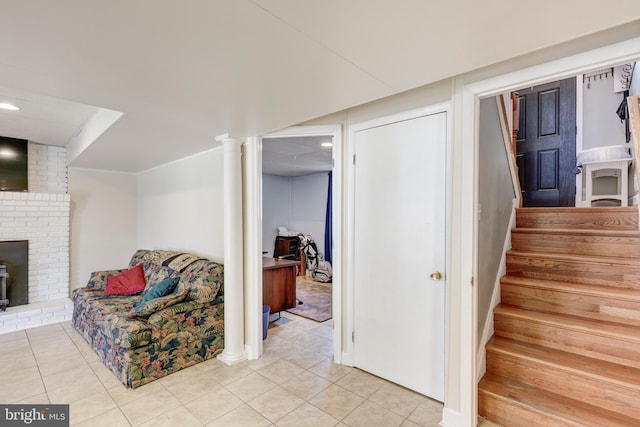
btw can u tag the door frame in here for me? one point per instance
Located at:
(253, 221)
(466, 140)
(349, 250)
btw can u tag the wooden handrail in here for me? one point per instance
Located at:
(509, 137)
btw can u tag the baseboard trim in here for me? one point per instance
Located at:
(487, 330)
(450, 418)
(346, 359)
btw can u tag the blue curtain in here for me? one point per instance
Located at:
(328, 229)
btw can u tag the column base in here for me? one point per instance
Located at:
(229, 358)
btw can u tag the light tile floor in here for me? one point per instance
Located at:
(295, 383)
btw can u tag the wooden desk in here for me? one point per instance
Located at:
(279, 283)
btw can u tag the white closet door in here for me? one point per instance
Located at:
(400, 203)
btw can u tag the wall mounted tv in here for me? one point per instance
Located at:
(13, 164)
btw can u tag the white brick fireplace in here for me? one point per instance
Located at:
(40, 216)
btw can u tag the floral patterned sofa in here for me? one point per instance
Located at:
(169, 333)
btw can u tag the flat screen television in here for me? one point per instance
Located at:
(13, 164)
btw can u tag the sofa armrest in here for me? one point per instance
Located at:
(98, 279)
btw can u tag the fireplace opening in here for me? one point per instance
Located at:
(14, 256)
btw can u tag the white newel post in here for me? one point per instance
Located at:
(234, 350)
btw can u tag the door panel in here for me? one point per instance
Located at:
(546, 145)
(400, 195)
(548, 170)
(548, 112)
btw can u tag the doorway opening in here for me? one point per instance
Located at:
(581, 66)
(301, 199)
(560, 126)
(297, 223)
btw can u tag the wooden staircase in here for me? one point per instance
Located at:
(566, 347)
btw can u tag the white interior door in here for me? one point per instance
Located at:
(399, 241)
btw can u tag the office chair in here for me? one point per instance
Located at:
(287, 247)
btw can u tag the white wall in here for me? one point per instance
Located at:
(495, 196)
(601, 125)
(634, 186)
(298, 203)
(180, 205)
(309, 206)
(276, 207)
(176, 206)
(103, 222)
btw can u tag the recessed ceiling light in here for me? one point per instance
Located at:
(7, 106)
(7, 153)
(327, 144)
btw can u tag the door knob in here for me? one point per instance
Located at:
(436, 276)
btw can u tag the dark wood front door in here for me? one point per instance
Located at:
(546, 144)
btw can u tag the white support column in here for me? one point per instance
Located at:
(253, 245)
(234, 350)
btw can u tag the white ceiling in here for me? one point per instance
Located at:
(184, 72)
(44, 119)
(296, 156)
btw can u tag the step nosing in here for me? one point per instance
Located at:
(612, 292)
(577, 231)
(556, 322)
(579, 209)
(587, 259)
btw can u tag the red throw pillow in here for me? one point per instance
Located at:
(128, 282)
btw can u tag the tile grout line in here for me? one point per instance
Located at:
(283, 352)
(88, 364)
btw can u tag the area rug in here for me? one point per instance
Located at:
(316, 300)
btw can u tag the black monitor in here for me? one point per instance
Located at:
(13, 164)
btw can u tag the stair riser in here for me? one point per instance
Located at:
(518, 404)
(589, 306)
(606, 274)
(510, 413)
(624, 247)
(607, 348)
(597, 391)
(581, 219)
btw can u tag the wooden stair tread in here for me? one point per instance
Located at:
(573, 287)
(580, 210)
(562, 407)
(582, 324)
(586, 259)
(620, 218)
(611, 372)
(578, 231)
